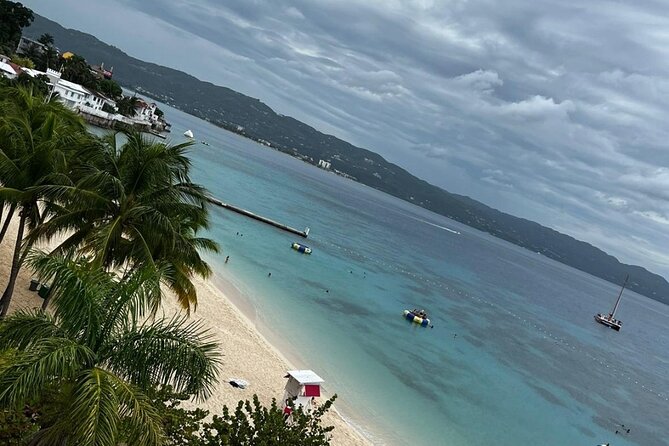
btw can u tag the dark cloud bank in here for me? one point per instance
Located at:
(550, 110)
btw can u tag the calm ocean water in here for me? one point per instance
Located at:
(514, 358)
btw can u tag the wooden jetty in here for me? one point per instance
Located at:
(250, 214)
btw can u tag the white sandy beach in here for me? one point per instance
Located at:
(247, 354)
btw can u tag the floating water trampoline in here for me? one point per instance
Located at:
(304, 249)
(416, 319)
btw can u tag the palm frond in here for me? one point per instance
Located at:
(136, 295)
(32, 369)
(142, 418)
(175, 352)
(77, 294)
(24, 328)
(95, 417)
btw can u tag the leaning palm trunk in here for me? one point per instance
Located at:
(16, 266)
(8, 219)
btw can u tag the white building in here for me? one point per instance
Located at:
(71, 94)
(94, 101)
(25, 44)
(146, 112)
(324, 164)
(7, 68)
(97, 101)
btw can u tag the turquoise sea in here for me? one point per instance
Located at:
(514, 357)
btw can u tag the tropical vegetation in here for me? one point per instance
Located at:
(13, 17)
(76, 69)
(38, 138)
(86, 367)
(81, 372)
(249, 423)
(124, 204)
(133, 204)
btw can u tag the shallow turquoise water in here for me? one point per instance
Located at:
(515, 357)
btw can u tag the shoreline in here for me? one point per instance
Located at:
(255, 358)
(247, 352)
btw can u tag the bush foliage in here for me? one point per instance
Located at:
(250, 423)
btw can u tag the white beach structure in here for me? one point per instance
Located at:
(7, 69)
(302, 387)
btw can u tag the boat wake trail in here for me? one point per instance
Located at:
(434, 224)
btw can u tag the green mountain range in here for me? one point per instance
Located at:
(254, 119)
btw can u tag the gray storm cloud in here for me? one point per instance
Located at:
(551, 110)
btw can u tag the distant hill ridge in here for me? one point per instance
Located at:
(229, 109)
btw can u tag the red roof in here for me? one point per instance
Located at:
(17, 68)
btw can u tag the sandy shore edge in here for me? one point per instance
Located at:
(247, 353)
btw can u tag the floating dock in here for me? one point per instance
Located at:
(250, 214)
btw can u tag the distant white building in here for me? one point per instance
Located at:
(146, 112)
(97, 101)
(7, 68)
(25, 44)
(71, 94)
(324, 164)
(94, 101)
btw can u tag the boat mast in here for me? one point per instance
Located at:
(615, 307)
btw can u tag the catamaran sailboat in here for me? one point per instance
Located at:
(610, 319)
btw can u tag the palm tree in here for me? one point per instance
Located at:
(127, 105)
(46, 39)
(89, 365)
(32, 52)
(135, 205)
(37, 140)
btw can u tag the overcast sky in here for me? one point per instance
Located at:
(555, 111)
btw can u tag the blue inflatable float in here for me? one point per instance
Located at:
(422, 321)
(301, 248)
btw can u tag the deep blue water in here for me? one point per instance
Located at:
(515, 357)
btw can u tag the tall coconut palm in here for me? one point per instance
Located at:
(90, 363)
(132, 205)
(37, 140)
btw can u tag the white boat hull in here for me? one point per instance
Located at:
(605, 320)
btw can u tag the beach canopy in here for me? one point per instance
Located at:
(305, 376)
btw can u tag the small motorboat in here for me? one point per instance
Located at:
(417, 318)
(188, 133)
(301, 248)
